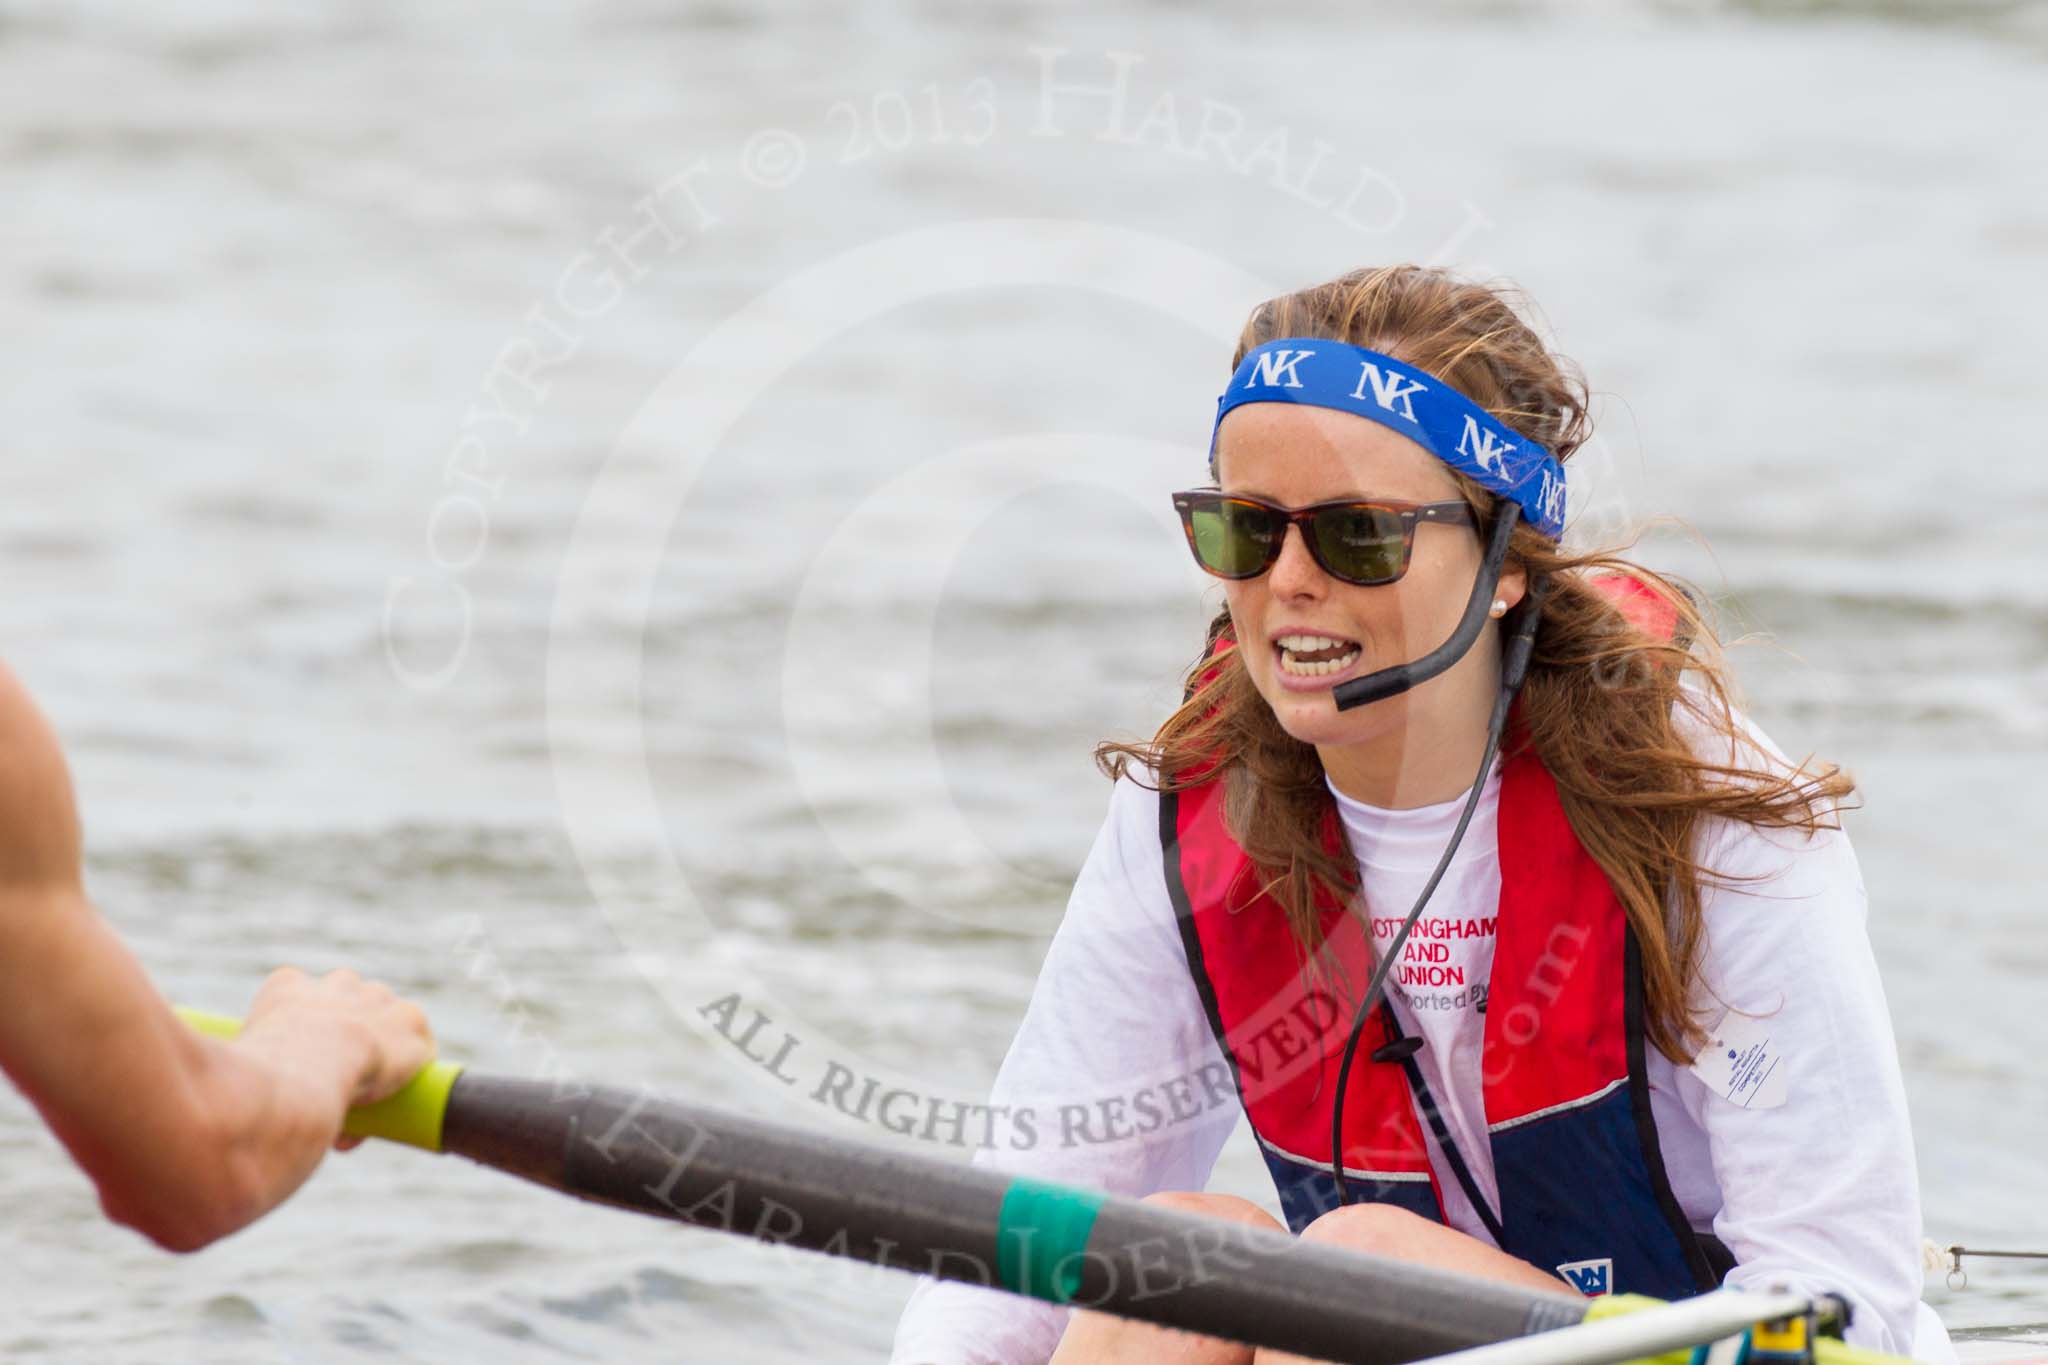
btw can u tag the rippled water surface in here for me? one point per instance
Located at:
(434, 565)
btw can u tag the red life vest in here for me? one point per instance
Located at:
(1582, 1187)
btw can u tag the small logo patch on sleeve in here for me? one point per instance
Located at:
(1591, 1278)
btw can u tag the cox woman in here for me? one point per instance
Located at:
(1522, 952)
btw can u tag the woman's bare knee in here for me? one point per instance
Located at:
(1384, 1230)
(1225, 1206)
(1376, 1229)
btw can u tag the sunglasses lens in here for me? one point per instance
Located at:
(1362, 544)
(1234, 539)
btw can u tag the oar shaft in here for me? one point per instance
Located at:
(740, 1175)
(752, 1178)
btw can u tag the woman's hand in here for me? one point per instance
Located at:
(187, 1138)
(295, 1013)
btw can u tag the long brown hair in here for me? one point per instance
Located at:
(1638, 730)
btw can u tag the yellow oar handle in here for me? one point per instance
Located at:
(1826, 1351)
(412, 1116)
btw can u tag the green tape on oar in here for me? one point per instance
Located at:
(412, 1116)
(1040, 1235)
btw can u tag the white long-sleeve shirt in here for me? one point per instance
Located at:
(1123, 1087)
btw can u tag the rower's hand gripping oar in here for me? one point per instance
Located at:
(413, 1115)
(734, 1173)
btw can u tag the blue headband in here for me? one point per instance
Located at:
(1444, 422)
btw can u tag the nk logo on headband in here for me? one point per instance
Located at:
(1390, 391)
(1276, 369)
(1485, 449)
(1450, 426)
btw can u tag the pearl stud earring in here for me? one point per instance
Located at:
(1500, 608)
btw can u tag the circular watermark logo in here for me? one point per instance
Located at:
(610, 804)
(925, 517)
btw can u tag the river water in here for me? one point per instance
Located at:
(585, 515)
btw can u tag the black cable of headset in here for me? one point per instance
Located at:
(1514, 667)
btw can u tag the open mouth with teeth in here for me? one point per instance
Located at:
(1313, 656)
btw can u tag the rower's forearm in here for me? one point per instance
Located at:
(278, 1100)
(252, 1123)
(186, 1139)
